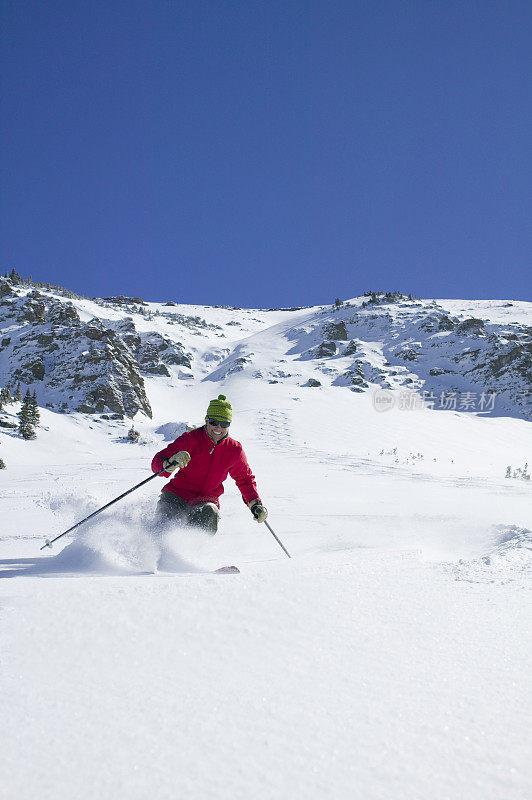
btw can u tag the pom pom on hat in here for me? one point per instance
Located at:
(220, 408)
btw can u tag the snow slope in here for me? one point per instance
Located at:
(389, 658)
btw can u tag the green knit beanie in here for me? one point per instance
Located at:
(220, 408)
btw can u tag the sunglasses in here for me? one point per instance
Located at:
(213, 422)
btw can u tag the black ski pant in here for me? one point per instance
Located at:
(172, 508)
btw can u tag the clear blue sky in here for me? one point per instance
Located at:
(268, 153)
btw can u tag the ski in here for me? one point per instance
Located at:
(227, 570)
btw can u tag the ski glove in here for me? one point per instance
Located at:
(258, 510)
(180, 460)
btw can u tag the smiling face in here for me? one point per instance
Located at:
(214, 428)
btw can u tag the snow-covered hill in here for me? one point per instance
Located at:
(387, 659)
(94, 356)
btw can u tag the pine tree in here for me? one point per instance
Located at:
(5, 396)
(34, 414)
(2, 464)
(25, 427)
(18, 394)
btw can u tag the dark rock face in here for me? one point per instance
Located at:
(237, 365)
(430, 323)
(73, 365)
(353, 377)
(336, 331)
(6, 290)
(108, 374)
(437, 320)
(31, 310)
(92, 366)
(325, 350)
(159, 350)
(408, 354)
(350, 349)
(37, 369)
(471, 327)
(516, 356)
(446, 323)
(60, 313)
(153, 351)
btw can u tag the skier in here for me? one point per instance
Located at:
(204, 457)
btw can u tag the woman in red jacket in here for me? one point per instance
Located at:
(199, 461)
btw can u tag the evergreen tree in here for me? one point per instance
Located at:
(5, 396)
(34, 414)
(18, 394)
(2, 463)
(25, 426)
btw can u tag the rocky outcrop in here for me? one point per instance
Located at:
(420, 345)
(446, 323)
(32, 309)
(407, 353)
(240, 360)
(72, 365)
(354, 378)
(335, 331)
(350, 349)
(99, 365)
(153, 351)
(6, 290)
(324, 350)
(471, 327)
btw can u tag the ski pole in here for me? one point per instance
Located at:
(277, 539)
(49, 543)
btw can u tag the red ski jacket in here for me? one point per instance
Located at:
(210, 464)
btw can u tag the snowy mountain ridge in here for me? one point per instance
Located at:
(95, 356)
